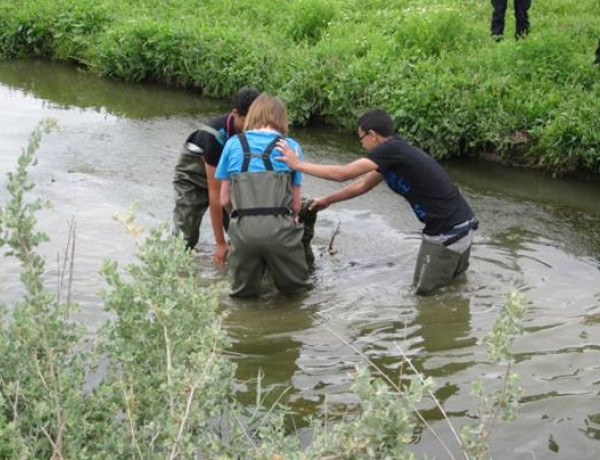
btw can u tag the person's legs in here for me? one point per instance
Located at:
(286, 260)
(463, 262)
(522, 17)
(247, 268)
(191, 198)
(436, 267)
(597, 61)
(498, 17)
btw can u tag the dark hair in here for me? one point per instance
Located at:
(243, 99)
(377, 120)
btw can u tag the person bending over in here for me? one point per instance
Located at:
(196, 188)
(449, 221)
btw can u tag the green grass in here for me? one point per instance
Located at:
(432, 64)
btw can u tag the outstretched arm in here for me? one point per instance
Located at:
(357, 188)
(338, 173)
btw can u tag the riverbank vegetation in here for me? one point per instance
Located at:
(432, 64)
(154, 381)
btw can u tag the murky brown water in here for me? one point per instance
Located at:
(118, 144)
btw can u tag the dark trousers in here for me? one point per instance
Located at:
(521, 8)
(597, 61)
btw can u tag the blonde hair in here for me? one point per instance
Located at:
(267, 110)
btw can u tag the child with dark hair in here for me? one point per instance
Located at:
(196, 188)
(449, 221)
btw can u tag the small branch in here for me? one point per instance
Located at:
(130, 419)
(69, 258)
(169, 364)
(56, 454)
(436, 401)
(72, 234)
(12, 404)
(396, 387)
(184, 420)
(58, 278)
(55, 392)
(488, 430)
(52, 443)
(335, 232)
(254, 446)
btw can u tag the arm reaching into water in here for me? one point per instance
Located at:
(338, 173)
(216, 216)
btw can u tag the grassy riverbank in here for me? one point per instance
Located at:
(430, 63)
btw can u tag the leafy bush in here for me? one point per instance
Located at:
(432, 64)
(154, 382)
(309, 19)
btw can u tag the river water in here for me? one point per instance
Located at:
(118, 144)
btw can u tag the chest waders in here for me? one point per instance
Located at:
(263, 232)
(441, 261)
(191, 189)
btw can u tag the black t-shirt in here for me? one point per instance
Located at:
(416, 176)
(210, 145)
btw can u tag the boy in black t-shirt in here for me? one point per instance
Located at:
(196, 188)
(449, 221)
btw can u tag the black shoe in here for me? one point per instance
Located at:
(519, 35)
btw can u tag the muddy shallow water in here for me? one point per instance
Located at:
(118, 144)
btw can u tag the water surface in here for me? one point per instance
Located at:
(118, 144)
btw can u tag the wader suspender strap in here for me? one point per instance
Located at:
(266, 157)
(219, 136)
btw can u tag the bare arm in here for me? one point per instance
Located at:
(214, 201)
(296, 199)
(357, 188)
(216, 215)
(226, 195)
(338, 173)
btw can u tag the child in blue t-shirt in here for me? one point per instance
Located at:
(264, 198)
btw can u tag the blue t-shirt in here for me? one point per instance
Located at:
(233, 156)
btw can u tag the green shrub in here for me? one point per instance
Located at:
(432, 64)
(154, 382)
(308, 19)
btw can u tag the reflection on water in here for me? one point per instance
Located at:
(118, 144)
